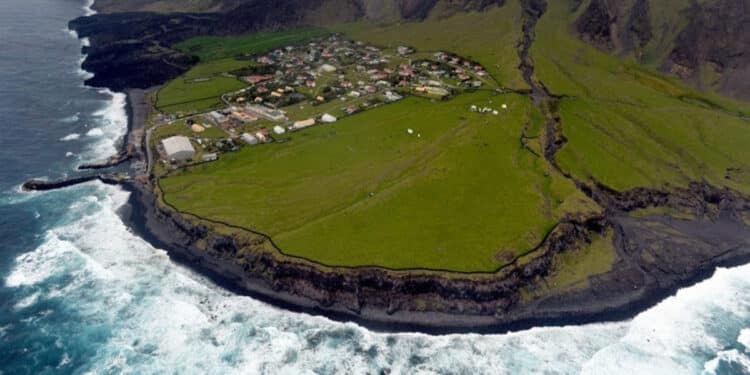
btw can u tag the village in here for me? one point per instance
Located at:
(297, 87)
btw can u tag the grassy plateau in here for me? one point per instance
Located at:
(461, 193)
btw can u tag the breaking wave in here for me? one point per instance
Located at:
(112, 121)
(156, 316)
(70, 137)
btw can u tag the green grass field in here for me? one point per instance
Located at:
(464, 196)
(209, 48)
(200, 88)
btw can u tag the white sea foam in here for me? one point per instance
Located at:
(165, 318)
(87, 8)
(27, 301)
(95, 132)
(732, 360)
(71, 119)
(744, 339)
(70, 137)
(111, 121)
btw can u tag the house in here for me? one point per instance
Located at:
(328, 118)
(249, 139)
(437, 91)
(257, 78)
(178, 148)
(303, 123)
(197, 128)
(262, 134)
(278, 130)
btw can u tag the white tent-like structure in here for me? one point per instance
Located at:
(178, 148)
(328, 118)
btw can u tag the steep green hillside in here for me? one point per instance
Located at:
(490, 37)
(628, 126)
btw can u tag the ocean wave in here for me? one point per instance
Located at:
(71, 119)
(110, 121)
(162, 317)
(70, 137)
(87, 8)
(95, 132)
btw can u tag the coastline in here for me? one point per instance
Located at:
(632, 286)
(610, 298)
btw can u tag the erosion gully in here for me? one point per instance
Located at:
(665, 252)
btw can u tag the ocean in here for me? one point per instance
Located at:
(80, 293)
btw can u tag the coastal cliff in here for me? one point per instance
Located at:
(656, 252)
(656, 256)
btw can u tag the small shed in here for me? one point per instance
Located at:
(304, 123)
(178, 148)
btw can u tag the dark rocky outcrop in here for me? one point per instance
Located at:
(709, 37)
(717, 38)
(596, 22)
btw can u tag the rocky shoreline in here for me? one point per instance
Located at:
(654, 262)
(657, 254)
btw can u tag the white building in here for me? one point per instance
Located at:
(278, 130)
(392, 96)
(178, 148)
(303, 124)
(249, 139)
(328, 118)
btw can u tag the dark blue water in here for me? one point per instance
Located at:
(79, 293)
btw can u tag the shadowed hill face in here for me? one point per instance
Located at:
(702, 42)
(376, 10)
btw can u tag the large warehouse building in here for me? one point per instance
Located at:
(178, 148)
